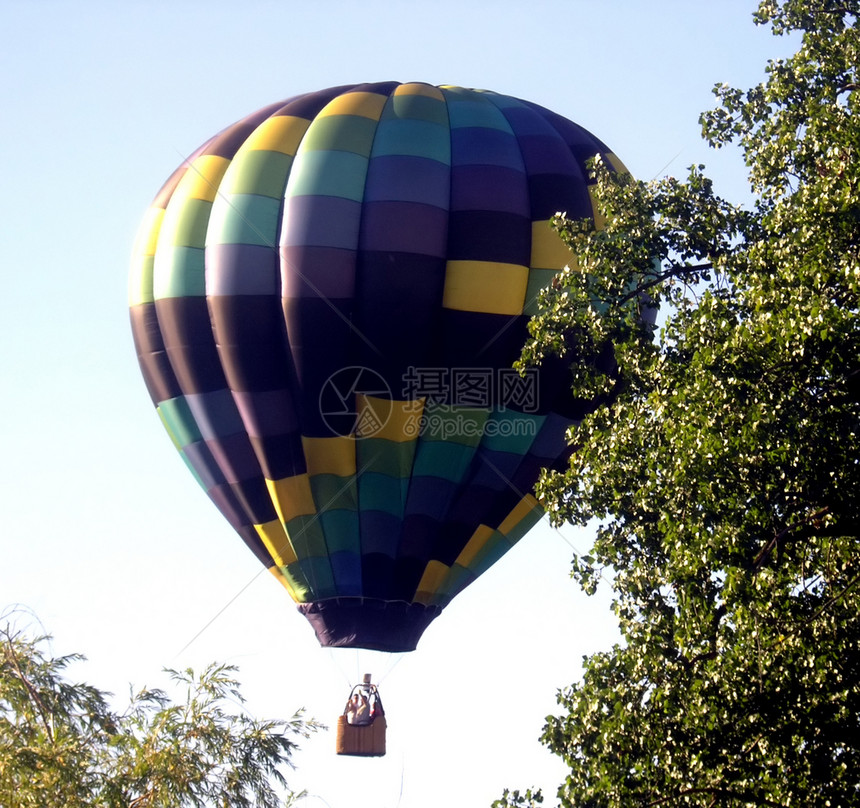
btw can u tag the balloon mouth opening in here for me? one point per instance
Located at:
(376, 625)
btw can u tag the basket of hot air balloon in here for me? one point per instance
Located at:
(326, 300)
(361, 727)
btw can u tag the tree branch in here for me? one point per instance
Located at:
(836, 598)
(12, 658)
(758, 563)
(717, 792)
(675, 270)
(711, 653)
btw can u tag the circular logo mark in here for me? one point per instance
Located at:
(355, 402)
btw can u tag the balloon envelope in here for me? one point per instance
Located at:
(326, 300)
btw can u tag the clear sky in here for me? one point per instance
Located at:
(104, 535)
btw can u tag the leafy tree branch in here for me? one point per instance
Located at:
(62, 744)
(721, 466)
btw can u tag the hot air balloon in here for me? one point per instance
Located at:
(326, 300)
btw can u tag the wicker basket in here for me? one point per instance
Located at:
(365, 740)
(366, 736)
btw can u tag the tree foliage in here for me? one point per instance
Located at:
(61, 743)
(724, 472)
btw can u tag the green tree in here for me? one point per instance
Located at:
(724, 471)
(63, 746)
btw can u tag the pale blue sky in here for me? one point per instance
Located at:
(105, 536)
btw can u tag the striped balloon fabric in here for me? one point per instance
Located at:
(326, 299)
